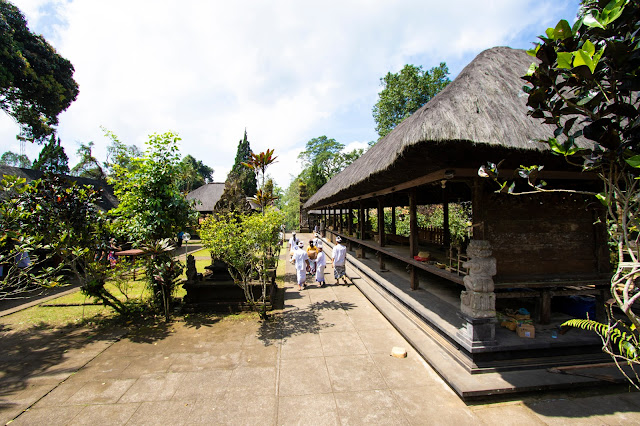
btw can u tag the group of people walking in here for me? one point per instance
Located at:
(313, 260)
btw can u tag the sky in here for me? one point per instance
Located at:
(286, 71)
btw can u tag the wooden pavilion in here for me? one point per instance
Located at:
(531, 247)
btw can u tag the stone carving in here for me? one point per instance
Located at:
(192, 273)
(479, 300)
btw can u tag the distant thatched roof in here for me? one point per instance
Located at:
(108, 199)
(207, 196)
(480, 116)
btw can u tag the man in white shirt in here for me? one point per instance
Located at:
(339, 258)
(301, 260)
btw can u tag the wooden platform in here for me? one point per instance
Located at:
(515, 365)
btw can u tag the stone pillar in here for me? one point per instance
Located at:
(478, 301)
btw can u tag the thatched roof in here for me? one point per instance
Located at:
(480, 116)
(207, 196)
(107, 202)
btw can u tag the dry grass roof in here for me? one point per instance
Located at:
(480, 116)
(207, 196)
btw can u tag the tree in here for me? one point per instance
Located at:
(52, 158)
(241, 181)
(239, 172)
(15, 160)
(259, 163)
(289, 204)
(151, 206)
(249, 244)
(119, 154)
(36, 83)
(322, 159)
(404, 93)
(586, 84)
(88, 166)
(193, 174)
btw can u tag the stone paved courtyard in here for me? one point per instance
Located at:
(325, 362)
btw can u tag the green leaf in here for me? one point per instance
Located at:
(533, 52)
(603, 199)
(565, 59)
(634, 161)
(532, 69)
(562, 30)
(583, 58)
(550, 32)
(556, 146)
(592, 21)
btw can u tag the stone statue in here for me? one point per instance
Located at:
(192, 273)
(479, 300)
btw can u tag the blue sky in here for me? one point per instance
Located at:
(287, 71)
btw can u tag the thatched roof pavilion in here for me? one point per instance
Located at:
(206, 196)
(480, 116)
(107, 201)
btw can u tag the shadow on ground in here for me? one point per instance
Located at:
(38, 354)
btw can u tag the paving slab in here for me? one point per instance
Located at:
(324, 361)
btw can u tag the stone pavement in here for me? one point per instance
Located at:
(326, 361)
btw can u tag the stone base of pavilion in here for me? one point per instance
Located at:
(430, 319)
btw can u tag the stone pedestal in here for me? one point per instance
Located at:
(478, 332)
(478, 301)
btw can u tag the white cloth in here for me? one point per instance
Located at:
(320, 273)
(321, 262)
(293, 242)
(339, 254)
(300, 257)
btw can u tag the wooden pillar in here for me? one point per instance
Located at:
(393, 220)
(413, 224)
(349, 220)
(361, 221)
(341, 221)
(445, 213)
(381, 236)
(477, 211)
(413, 237)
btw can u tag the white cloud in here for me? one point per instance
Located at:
(287, 71)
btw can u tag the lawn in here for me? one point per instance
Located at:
(78, 310)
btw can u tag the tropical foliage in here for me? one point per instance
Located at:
(36, 83)
(151, 205)
(249, 244)
(405, 92)
(586, 84)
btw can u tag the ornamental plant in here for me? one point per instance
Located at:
(248, 243)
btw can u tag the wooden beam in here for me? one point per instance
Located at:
(467, 173)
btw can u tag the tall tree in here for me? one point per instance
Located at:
(241, 181)
(88, 166)
(119, 155)
(10, 158)
(322, 159)
(52, 158)
(36, 83)
(151, 205)
(193, 174)
(405, 92)
(245, 176)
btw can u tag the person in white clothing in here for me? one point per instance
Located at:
(339, 258)
(293, 241)
(321, 263)
(301, 260)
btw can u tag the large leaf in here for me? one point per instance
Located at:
(565, 59)
(634, 161)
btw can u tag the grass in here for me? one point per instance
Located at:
(76, 309)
